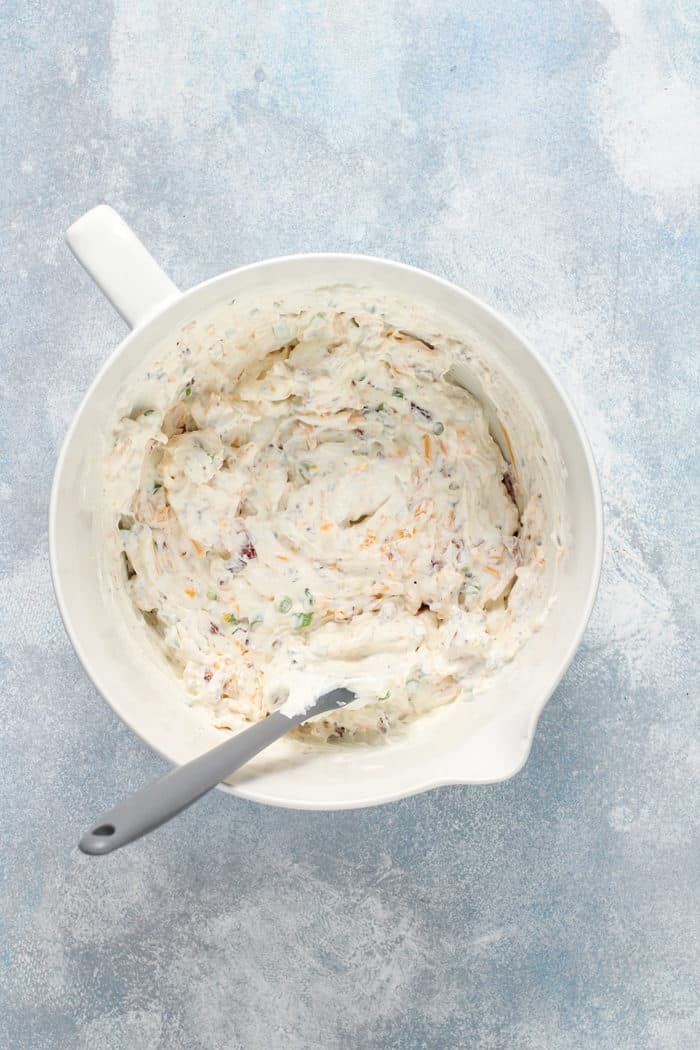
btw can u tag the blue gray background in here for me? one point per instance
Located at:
(546, 157)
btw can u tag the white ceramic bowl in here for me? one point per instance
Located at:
(482, 741)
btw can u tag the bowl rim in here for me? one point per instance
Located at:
(585, 609)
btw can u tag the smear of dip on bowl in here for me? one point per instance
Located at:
(300, 498)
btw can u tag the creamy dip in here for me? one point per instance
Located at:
(309, 499)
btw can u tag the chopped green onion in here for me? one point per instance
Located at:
(397, 393)
(308, 596)
(361, 379)
(386, 696)
(438, 428)
(230, 618)
(258, 618)
(284, 605)
(156, 485)
(212, 596)
(381, 407)
(303, 620)
(188, 390)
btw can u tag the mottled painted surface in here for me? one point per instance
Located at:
(545, 156)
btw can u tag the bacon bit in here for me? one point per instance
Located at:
(427, 451)
(198, 547)
(327, 526)
(213, 629)
(421, 411)
(451, 518)
(188, 590)
(490, 568)
(208, 675)
(248, 551)
(508, 485)
(332, 564)
(443, 448)
(369, 539)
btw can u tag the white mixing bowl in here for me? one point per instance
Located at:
(483, 740)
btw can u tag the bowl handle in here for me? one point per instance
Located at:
(120, 265)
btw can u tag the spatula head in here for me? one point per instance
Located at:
(330, 702)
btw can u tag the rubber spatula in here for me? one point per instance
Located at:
(165, 798)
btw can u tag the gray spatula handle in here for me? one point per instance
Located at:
(167, 797)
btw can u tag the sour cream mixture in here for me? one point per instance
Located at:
(315, 502)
